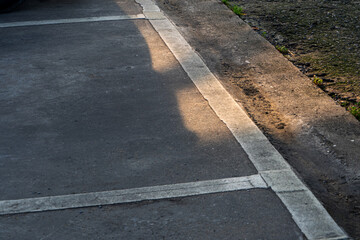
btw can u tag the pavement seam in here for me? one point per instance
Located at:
(308, 213)
(80, 200)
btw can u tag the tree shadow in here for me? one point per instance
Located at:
(100, 106)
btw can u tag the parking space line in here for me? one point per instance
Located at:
(130, 195)
(308, 213)
(71, 20)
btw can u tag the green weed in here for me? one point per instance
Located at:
(355, 110)
(318, 81)
(235, 8)
(282, 49)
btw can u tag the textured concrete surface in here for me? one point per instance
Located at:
(87, 111)
(99, 106)
(314, 134)
(255, 214)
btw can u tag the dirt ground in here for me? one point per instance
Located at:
(322, 37)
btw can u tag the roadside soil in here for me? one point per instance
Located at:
(319, 139)
(322, 37)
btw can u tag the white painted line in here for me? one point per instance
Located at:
(130, 195)
(272, 166)
(283, 181)
(311, 215)
(71, 20)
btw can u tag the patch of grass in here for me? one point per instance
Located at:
(355, 110)
(282, 49)
(263, 34)
(235, 8)
(318, 81)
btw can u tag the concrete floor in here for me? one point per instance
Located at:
(99, 106)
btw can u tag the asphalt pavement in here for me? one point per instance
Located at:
(107, 97)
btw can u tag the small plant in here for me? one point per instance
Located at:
(318, 81)
(235, 8)
(263, 34)
(355, 110)
(226, 2)
(282, 49)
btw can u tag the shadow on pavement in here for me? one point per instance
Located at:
(101, 106)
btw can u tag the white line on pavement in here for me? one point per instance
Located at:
(308, 213)
(130, 195)
(71, 20)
